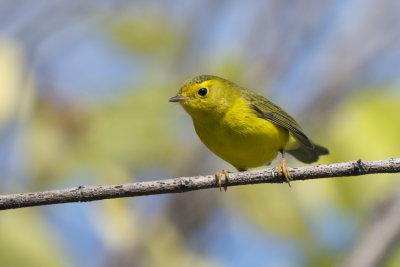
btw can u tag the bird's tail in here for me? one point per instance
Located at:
(308, 155)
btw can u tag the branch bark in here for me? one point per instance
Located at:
(184, 184)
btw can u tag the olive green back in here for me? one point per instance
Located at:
(308, 152)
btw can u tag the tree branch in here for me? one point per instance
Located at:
(184, 184)
(380, 237)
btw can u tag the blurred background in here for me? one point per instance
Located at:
(84, 88)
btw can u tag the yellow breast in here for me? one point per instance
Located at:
(240, 137)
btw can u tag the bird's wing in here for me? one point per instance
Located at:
(269, 111)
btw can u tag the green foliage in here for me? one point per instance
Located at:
(110, 141)
(24, 238)
(137, 35)
(365, 126)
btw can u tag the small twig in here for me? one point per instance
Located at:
(184, 184)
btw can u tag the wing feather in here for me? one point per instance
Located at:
(271, 112)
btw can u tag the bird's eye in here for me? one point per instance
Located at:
(203, 92)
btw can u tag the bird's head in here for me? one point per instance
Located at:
(205, 93)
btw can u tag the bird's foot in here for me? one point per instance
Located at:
(283, 168)
(218, 176)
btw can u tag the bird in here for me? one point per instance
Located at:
(242, 127)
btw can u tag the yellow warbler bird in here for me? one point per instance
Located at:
(242, 127)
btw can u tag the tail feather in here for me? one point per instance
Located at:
(308, 155)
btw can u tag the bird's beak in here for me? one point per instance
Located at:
(179, 98)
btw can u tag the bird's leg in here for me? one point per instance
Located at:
(218, 176)
(284, 168)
